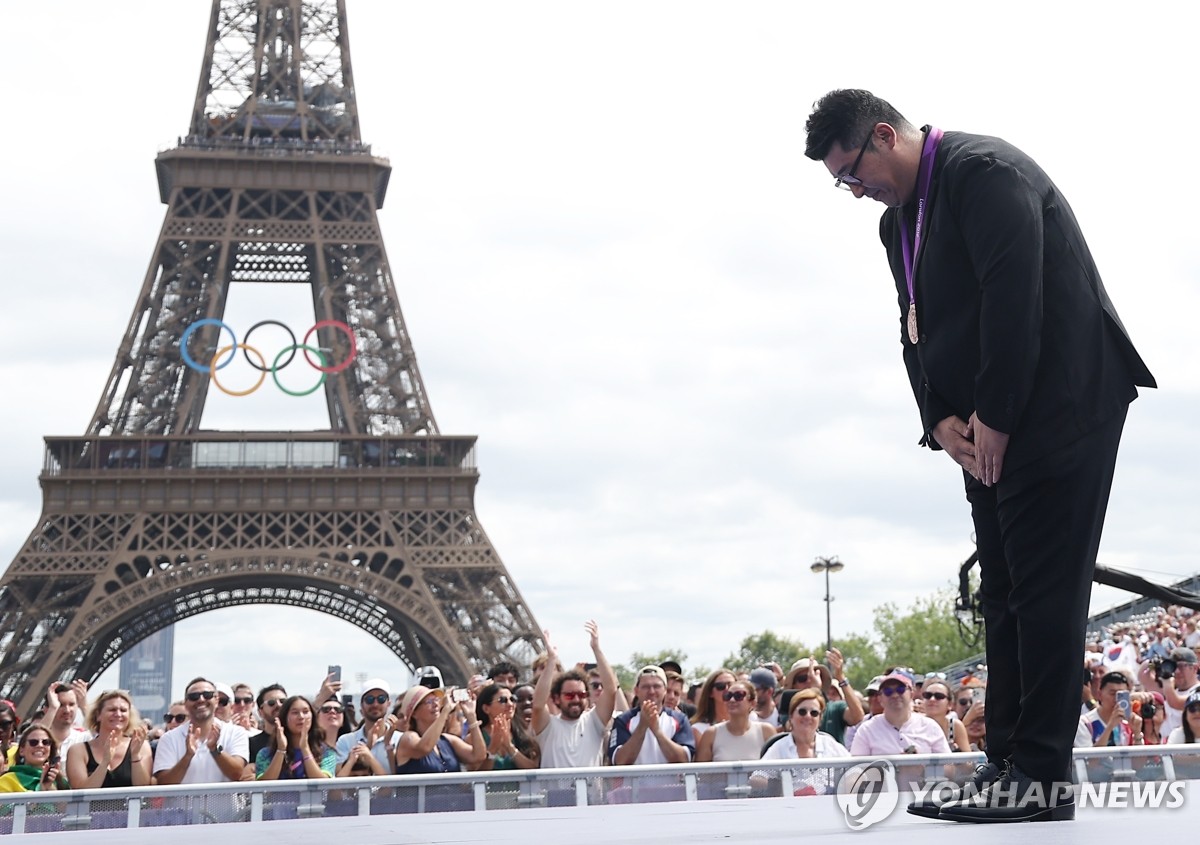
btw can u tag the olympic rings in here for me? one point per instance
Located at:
(292, 349)
(262, 376)
(324, 366)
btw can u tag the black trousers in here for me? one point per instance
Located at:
(1037, 533)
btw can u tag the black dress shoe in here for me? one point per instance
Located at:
(985, 773)
(1014, 797)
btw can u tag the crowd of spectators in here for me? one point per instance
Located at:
(1139, 686)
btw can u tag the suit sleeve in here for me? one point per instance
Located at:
(931, 407)
(1000, 215)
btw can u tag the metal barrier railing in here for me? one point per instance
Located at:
(264, 801)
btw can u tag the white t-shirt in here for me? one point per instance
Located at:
(172, 748)
(772, 719)
(1177, 737)
(1174, 718)
(572, 744)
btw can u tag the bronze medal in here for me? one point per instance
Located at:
(912, 322)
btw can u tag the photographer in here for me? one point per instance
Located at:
(1174, 677)
(1113, 722)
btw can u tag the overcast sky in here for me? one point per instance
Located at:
(678, 345)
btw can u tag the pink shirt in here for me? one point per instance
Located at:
(877, 737)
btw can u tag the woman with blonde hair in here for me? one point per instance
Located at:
(804, 741)
(118, 753)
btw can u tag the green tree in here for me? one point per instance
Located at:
(926, 637)
(627, 673)
(862, 659)
(767, 647)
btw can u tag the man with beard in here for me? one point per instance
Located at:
(574, 737)
(378, 729)
(672, 739)
(204, 749)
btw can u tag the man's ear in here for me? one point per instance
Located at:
(885, 135)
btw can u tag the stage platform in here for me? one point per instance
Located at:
(757, 820)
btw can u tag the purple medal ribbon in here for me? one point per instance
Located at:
(910, 248)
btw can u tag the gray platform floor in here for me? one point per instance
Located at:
(761, 820)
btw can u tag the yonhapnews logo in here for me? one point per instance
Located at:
(868, 795)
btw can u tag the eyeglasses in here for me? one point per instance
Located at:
(375, 699)
(223, 701)
(506, 699)
(273, 702)
(594, 685)
(964, 702)
(330, 708)
(1194, 707)
(178, 718)
(721, 686)
(573, 696)
(736, 695)
(849, 181)
(34, 743)
(247, 700)
(804, 711)
(207, 695)
(891, 691)
(940, 696)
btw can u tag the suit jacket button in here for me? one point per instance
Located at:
(924, 339)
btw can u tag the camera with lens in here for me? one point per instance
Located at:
(1164, 667)
(1148, 710)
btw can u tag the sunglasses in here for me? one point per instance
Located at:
(736, 695)
(375, 699)
(964, 702)
(6, 726)
(804, 711)
(1194, 707)
(891, 691)
(273, 702)
(34, 743)
(247, 700)
(800, 679)
(223, 701)
(940, 696)
(178, 718)
(721, 686)
(207, 695)
(330, 708)
(573, 696)
(505, 699)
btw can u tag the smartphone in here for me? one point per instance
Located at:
(460, 696)
(336, 671)
(347, 700)
(1123, 703)
(977, 694)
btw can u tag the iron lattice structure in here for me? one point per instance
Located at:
(147, 520)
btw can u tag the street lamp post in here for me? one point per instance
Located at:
(827, 565)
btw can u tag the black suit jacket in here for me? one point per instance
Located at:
(1014, 322)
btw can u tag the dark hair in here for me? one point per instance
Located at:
(25, 732)
(520, 739)
(1112, 678)
(195, 681)
(847, 116)
(504, 668)
(262, 693)
(315, 738)
(563, 677)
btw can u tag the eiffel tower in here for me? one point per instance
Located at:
(147, 519)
